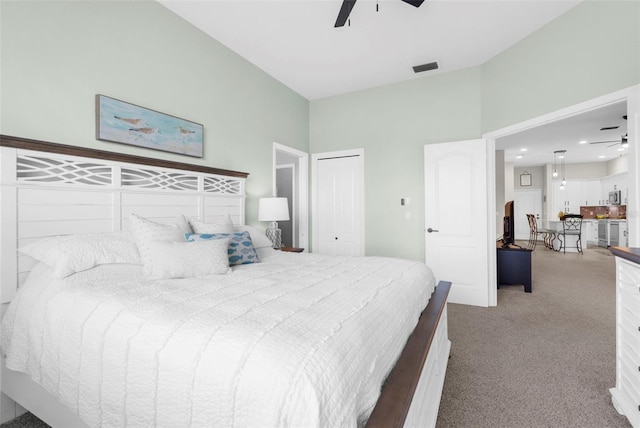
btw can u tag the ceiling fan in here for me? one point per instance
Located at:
(347, 6)
(623, 141)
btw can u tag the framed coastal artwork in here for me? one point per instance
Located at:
(121, 122)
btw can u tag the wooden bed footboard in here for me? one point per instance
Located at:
(411, 393)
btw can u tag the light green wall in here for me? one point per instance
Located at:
(592, 50)
(393, 123)
(57, 55)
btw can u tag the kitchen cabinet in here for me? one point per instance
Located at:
(567, 200)
(622, 183)
(592, 193)
(606, 187)
(590, 229)
(623, 240)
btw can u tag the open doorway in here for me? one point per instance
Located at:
(290, 180)
(557, 157)
(502, 176)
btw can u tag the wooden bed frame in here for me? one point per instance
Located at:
(104, 188)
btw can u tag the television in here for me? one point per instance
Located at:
(508, 226)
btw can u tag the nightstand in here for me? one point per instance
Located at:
(292, 249)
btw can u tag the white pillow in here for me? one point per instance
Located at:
(169, 259)
(145, 231)
(182, 223)
(259, 239)
(200, 227)
(68, 254)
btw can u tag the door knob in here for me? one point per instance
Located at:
(432, 230)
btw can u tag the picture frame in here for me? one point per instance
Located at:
(125, 123)
(525, 179)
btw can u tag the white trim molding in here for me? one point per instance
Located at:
(302, 186)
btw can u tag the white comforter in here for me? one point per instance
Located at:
(297, 340)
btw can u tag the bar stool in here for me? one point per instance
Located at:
(571, 226)
(547, 234)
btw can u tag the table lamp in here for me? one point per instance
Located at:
(273, 210)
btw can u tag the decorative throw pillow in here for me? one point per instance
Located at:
(241, 250)
(259, 239)
(170, 259)
(199, 226)
(145, 231)
(68, 254)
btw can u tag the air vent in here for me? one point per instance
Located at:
(606, 128)
(425, 67)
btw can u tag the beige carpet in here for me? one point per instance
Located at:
(545, 359)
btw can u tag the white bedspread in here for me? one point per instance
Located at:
(297, 340)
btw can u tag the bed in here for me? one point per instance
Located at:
(294, 340)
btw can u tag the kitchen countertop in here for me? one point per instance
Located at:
(587, 219)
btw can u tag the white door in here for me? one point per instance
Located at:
(338, 208)
(456, 218)
(526, 202)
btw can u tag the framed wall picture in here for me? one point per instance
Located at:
(121, 122)
(525, 179)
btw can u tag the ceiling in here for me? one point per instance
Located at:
(295, 40)
(540, 142)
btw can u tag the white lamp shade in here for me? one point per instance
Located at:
(273, 209)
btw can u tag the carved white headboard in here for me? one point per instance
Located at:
(51, 189)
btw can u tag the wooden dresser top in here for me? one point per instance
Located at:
(631, 254)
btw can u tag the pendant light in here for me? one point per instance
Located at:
(559, 154)
(564, 181)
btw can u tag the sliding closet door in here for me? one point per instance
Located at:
(338, 209)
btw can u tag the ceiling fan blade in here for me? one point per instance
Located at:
(415, 3)
(345, 10)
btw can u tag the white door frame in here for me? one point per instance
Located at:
(293, 202)
(315, 158)
(302, 186)
(632, 97)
